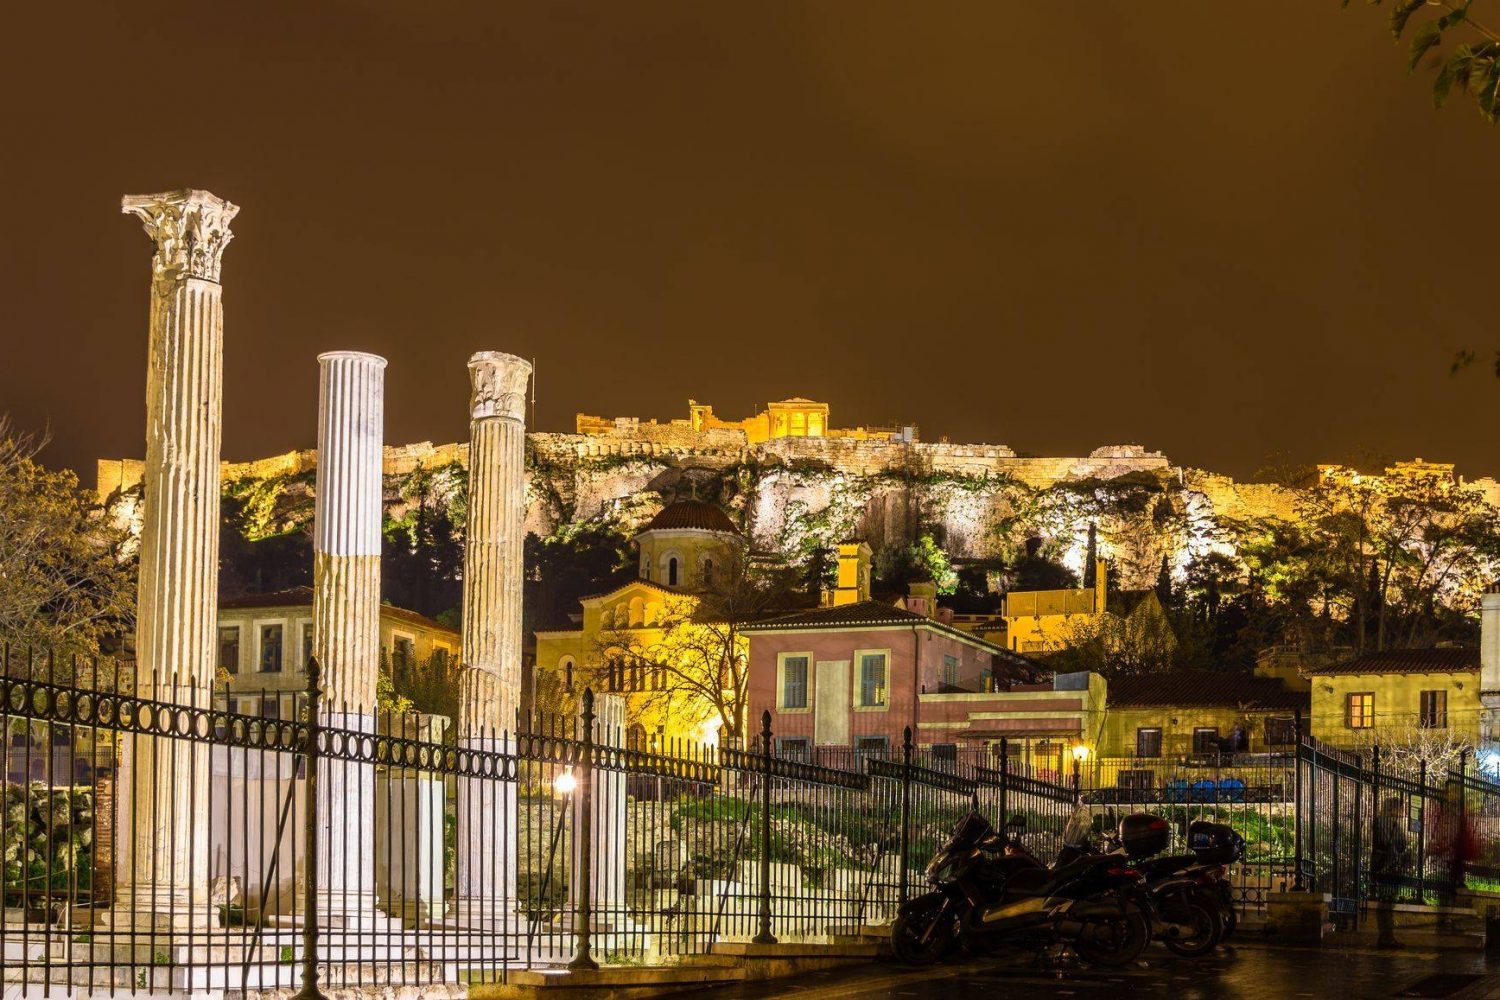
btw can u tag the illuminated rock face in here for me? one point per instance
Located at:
(177, 600)
(346, 619)
(490, 683)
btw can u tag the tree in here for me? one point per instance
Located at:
(1090, 560)
(1117, 645)
(693, 657)
(1471, 61)
(423, 551)
(64, 581)
(1164, 584)
(923, 559)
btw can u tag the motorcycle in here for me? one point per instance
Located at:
(989, 889)
(1215, 847)
(1182, 904)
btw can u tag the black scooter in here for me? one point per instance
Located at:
(988, 889)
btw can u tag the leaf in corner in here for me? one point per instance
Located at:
(1455, 68)
(1426, 37)
(1402, 13)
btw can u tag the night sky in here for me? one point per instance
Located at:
(1221, 230)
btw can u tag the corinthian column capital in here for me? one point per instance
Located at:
(190, 230)
(498, 383)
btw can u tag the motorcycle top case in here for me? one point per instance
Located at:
(1144, 834)
(1215, 843)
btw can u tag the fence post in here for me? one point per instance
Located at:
(1459, 860)
(764, 935)
(1359, 833)
(905, 810)
(310, 989)
(1422, 831)
(1297, 800)
(584, 916)
(1004, 781)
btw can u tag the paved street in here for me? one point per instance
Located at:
(1244, 972)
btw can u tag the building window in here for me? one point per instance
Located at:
(404, 650)
(1359, 710)
(229, 648)
(950, 672)
(1205, 740)
(872, 744)
(567, 672)
(708, 572)
(270, 649)
(1281, 732)
(872, 680)
(945, 752)
(672, 572)
(792, 669)
(794, 747)
(1135, 778)
(1148, 742)
(1434, 710)
(307, 645)
(270, 707)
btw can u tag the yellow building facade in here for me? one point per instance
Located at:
(640, 639)
(795, 417)
(1397, 693)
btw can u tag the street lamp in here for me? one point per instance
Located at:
(565, 782)
(1081, 752)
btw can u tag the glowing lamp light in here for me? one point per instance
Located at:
(1490, 761)
(565, 782)
(709, 733)
(1080, 753)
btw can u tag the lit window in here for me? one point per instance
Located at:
(872, 677)
(794, 682)
(1359, 710)
(270, 649)
(1434, 714)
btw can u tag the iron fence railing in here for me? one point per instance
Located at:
(163, 842)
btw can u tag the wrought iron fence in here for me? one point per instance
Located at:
(166, 842)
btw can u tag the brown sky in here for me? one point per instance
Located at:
(1222, 230)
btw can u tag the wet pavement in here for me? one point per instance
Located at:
(1238, 972)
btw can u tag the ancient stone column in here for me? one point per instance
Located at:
(346, 619)
(491, 677)
(163, 851)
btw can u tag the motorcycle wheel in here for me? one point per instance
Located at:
(1207, 925)
(911, 927)
(1116, 941)
(1231, 921)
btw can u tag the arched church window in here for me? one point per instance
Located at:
(567, 672)
(708, 571)
(672, 572)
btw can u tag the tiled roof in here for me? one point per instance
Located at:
(694, 514)
(302, 597)
(858, 613)
(879, 614)
(1205, 688)
(1440, 659)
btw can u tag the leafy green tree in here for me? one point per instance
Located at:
(65, 582)
(1467, 50)
(923, 559)
(573, 563)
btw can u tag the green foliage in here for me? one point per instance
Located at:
(1471, 67)
(65, 582)
(574, 562)
(923, 559)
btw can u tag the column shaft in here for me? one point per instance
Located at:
(164, 858)
(491, 680)
(346, 617)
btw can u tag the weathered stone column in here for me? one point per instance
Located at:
(346, 619)
(491, 679)
(163, 853)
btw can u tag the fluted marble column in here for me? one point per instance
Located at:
(163, 869)
(491, 679)
(346, 618)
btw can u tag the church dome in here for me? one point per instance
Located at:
(692, 515)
